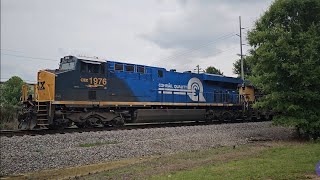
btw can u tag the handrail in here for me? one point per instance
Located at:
(214, 97)
(49, 92)
(50, 99)
(35, 92)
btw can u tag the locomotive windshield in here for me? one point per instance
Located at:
(67, 63)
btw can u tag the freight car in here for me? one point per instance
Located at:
(90, 92)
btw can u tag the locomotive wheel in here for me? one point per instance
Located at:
(51, 126)
(80, 125)
(60, 124)
(85, 125)
(93, 122)
(225, 116)
(237, 117)
(209, 118)
(117, 122)
(249, 118)
(90, 123)
(221, 118)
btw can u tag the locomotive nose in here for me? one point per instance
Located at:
(45, 86)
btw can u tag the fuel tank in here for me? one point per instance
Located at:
(169, 115)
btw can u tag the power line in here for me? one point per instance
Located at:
(11, 50)
(27, 81)
(29, 57)
(229, 35)
(196, 48)
(226, 50)
(12, 76)
(214, 64)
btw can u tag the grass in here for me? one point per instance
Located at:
(12, 125)
(175, 162)
(275, 160)
(145, 169)
(98, 144)
(267, 160)
(288, 162)
(75, 172)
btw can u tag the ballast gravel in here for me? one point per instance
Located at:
(21, 154)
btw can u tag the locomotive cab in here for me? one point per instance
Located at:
(67, 63)
(247, 93)
(84, 65)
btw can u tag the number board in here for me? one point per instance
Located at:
(94, 82)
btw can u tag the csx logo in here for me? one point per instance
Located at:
(41, 85)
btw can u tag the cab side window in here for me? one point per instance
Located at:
(102, 68)
(93, 68)
(83, 67)
(160, 73)
(118, 67)
(140, 69)
(129, 68)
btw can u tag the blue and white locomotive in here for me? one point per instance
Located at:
(90, 92)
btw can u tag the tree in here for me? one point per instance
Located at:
(9, 98)
(246, 68)
(285, 62)
(11, 90)
(213, 70)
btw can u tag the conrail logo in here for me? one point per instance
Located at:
(194, 89)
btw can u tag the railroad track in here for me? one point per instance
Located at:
(35, 132)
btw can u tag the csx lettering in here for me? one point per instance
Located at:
(84, 80)
(41, 85)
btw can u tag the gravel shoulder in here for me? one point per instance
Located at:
(34, 153)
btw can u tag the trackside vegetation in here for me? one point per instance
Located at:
(285, 63)
(10, 93)
(287, 162)
(260, 160)
(267, 160)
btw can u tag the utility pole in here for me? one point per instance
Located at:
(198, 69)
(241, 55)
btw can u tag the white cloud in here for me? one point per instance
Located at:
(200, 22)
(143, 32)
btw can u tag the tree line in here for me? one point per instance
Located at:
(284, 63)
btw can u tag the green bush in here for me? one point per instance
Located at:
(9, 102)
(9, 116)
(285, 63)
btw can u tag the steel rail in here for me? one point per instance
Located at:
(34, 132)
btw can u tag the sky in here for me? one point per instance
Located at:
(174, 34)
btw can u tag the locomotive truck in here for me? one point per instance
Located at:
(91, 92)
